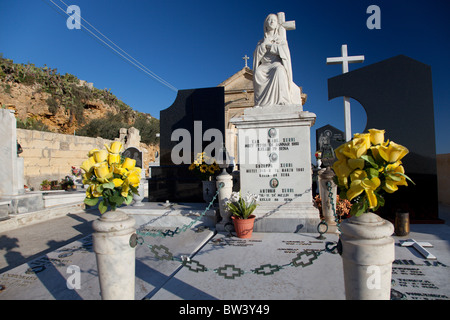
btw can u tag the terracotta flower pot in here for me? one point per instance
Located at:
(244, 227)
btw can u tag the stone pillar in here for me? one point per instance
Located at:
(11, 183)
(115, 255)
(224, 195)
(328, 203)
(368, 251)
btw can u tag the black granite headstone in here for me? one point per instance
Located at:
(133, 153)
(328, 138)
(398, 97)
(194, 110)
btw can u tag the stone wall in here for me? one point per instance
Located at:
(50, 155)
(443, 173)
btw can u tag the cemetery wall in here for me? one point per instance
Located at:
(443, 170)
(50, 155)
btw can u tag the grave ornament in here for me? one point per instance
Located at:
(272, 66)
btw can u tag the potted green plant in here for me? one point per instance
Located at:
(45, 185)
(241, 209)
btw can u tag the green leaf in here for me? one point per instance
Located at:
(91, 201)
(370, 160)
(359, 208)
(128, 199)
(393, 177)
(406, 177)
(372, 172)
(103, 206)
(108, 185)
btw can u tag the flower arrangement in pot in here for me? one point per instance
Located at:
(367, 167)
(206, 167)
(242, 209)
(110, 177)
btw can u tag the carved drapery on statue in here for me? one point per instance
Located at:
(272, 67)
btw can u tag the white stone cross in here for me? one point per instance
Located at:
(345, 60)
(419, 246)
(286, 25)
(245, 58)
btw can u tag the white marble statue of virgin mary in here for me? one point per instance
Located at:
(272, 69)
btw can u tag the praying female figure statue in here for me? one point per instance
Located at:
(272, 69)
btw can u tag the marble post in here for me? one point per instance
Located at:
(224, 195)
(368, 251)
(115, 255)
(328, 207)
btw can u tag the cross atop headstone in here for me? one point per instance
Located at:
(245, 58)
(345, 60)
(419, 246)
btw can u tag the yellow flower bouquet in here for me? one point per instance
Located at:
(204, 166)
(365, 167)
(110, 177)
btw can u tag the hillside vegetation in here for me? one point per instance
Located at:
(48, 101)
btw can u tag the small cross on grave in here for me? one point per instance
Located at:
(419, 246)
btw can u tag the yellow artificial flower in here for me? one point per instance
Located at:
(361, 183)
(87, 178)
(393, 179)
(91, 153)
(117, 168)
(87, 164)
(376, 136)
(192, 166)
(342, 171)
(339, 154)
(115, 147)
(113, 158)
(125, 188)
(92, 191)
(134, 178)
(211, 169)
(117, 182)
(355, 163)
(102, 172)
(129, 164)
(393, 152)
(357, 147)
(100, 156)
(203, 168)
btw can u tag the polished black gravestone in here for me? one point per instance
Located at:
(397, 95)
(328, 138)
(194, 110)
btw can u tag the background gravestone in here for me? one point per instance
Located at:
(398, 97)
(174, 182)
(328, 138)
(134, 153)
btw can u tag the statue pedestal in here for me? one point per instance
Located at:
(275, 163)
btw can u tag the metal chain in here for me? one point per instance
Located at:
(178, 230)
(230, 271)
(333, 206)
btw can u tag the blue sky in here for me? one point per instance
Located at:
(196, 44)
